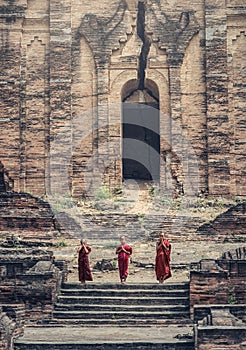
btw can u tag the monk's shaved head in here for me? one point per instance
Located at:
(123, 239)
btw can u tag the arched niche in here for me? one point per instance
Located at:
(140, 131)
(84, 121)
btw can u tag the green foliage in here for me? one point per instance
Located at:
(114, 263)
(153, 190)
(221, 202)
(111, 245)
(117, 191)
(14, 242)
(239, 199)
(140, 217)
(231, 296)
(17, 245)
(169, 202)
(61, 244)
(232, 299)
(62, 202)
(103, 193)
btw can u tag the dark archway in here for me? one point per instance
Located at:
(141, 133)
(135, 170)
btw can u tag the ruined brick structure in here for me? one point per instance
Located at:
(222, 328)
(27, 216)
(226, 226)
(217, 300)
(12, 320)
(67, 66)
(31, 277)
(219, 281)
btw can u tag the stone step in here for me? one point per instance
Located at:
(121, 308)
(121, 314)
(179, 345)
(113, 304)
(127, 286)
(106, 300)
(106, 338)
(106, 226)
(119, 322)
(125, 293)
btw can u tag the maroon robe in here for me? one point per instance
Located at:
(162, 263)
(84, 265)
(123, 261)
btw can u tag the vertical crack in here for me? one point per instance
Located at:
(143, 59)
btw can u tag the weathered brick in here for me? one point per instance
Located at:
(67, 64)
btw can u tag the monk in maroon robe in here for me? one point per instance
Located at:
(162, 263)
(83, 262)
(123, 251)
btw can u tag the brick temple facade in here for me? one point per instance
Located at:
(79, 78)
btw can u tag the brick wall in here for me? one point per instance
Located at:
(219, 281)
(27, 216)
(32, 278)
(218, 301)
(65, 67)
(223, 338)
(12, 320)
(228, 225)
(220, 327)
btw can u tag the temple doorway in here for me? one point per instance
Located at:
(141, 136)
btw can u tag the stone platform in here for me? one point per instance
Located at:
(112, 316)
(106, 338)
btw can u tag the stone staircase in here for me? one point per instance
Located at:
(115, 304)
(115, 317)
(135, 213)
(109, 226)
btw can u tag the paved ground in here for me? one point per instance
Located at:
(81, 335)
(182, 253)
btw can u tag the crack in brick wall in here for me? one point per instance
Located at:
(141, 31)
(194, 54)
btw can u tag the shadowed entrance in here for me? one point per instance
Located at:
(141, 137)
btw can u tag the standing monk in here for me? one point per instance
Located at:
(83, 262)
(162, 263)
(123, 251)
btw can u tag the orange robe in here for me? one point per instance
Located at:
(123, 261)
(162, 263)
(84, 265)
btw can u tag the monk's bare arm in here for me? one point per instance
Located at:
(164, 245)
(118, 250)
(128, 252)
(158, 245)
(86, 250)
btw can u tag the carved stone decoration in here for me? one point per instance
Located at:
(103, 34)
(60, 59)
(170, 34)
